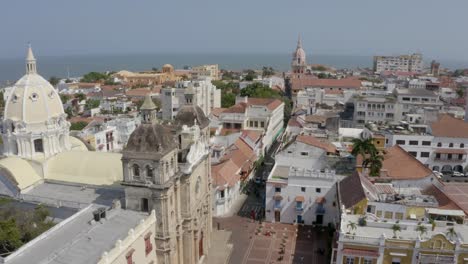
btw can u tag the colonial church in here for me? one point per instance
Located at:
(164, 167)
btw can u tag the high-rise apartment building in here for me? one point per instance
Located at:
(401, 63)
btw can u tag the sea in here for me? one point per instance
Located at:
(11, 69)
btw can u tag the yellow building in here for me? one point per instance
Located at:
(148, 78)
(378, 241)
(210, 70)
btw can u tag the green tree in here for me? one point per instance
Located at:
(267, 71)
(228, 100)
(396, 228)
(351, 226)
(374, 162)
(258, 90)
(2, 101)
(92, 77)
(421, 229)
(10, 237)
(78, 125)
(319, 68)
(54, 80)
(64, 98)
(92, 103)
(451, 234)
(460, 92)
(80, 96)
(363, 147)
(250, 76)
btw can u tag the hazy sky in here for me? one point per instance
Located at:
(353, 27)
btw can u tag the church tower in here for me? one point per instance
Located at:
(166, 167)
(298, 63)
(34, 125)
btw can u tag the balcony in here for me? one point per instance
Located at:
(452, 160)
(320, 210)
(299, 209)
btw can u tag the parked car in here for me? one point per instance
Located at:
(458, 174)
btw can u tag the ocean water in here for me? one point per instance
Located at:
(12, 69)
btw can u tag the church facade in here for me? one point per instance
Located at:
(166, 168)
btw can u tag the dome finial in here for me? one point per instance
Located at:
(299, 42)
(30, 61)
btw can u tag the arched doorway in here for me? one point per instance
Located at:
(435, 168)
(458, 168)
(446, 169)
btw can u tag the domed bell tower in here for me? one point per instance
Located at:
(148, 110)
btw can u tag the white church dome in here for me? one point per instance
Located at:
(33, 99)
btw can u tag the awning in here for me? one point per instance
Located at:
(361, 252)
(299, 198)
(320, 200)
(450, 151)
(445, 212)
(277, 197)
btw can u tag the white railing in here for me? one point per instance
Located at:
(360, 239)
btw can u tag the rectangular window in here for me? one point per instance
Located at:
(349, 260)
(221, 194)
(303, 189)
(413, 142)
(400, 142)
(424, 154)
(388, 215)
(413, 153)
(318, 190)
(426, 143)
(298, 205)
(148, 245)
(278, 189)
(378, 213)
(367, 261)
(399, 216)
(304, 153)
(262, 124)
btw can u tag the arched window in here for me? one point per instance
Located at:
(197, 185)
(167, 167)
(439, 144)
(462, 145)
(451, 145)
(149, 171)
(136, 171)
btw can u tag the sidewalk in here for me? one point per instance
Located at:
(221, 248)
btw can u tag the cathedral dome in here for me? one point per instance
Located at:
(299, 55)
(33, 99)
(189, 115)
(151, 138)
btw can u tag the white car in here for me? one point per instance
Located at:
(458, 174)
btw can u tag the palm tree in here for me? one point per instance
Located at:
(352, 226)
(374, 162)
(396, 228)
(421, 229)
(363, 147)
(451, 233)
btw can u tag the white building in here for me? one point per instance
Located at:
(402, 63)
(300, 189)
(102, 136)
(124, 126)
(379, 108)
(442, 146)
(209, 70)
(205, 95)
(261, 114)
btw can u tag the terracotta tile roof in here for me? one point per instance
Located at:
(458, 193)
(351, 191)
(294, 123)
(225, 173)
(444, 201)
(345, 83)
(217, 111)
(270, 103)
(236, 109)
(241, 154)
(449, 126)
(313, 141)
(253, 135)
(315, 119)
(400, 165)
